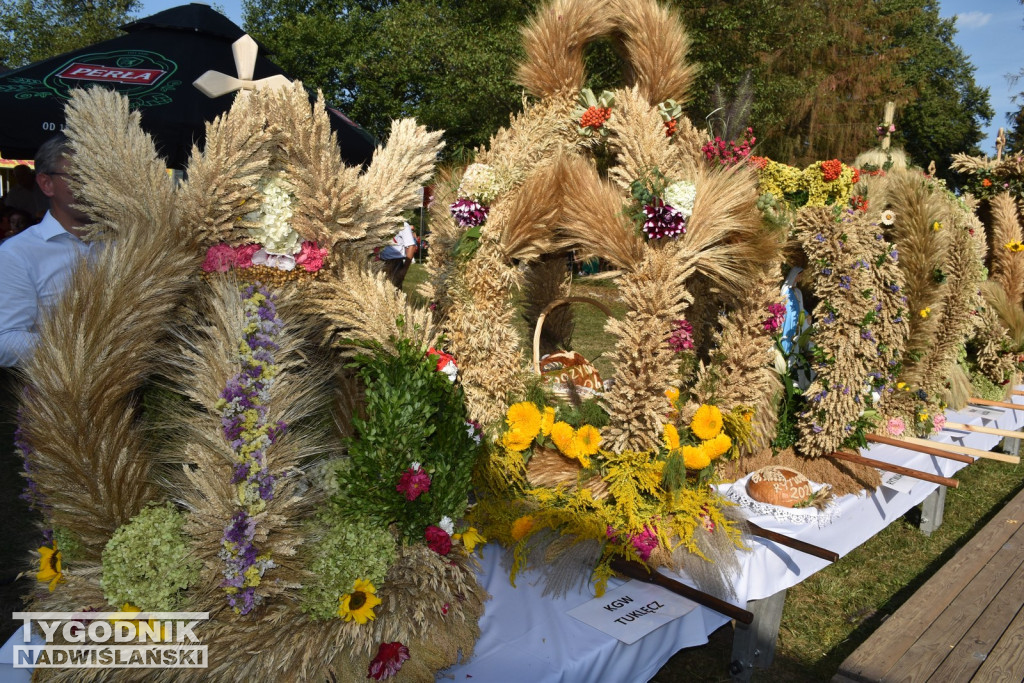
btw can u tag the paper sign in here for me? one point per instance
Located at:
(632, 610)
(898, 482)
(984, 413)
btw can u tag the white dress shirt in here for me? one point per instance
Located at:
(34, 267)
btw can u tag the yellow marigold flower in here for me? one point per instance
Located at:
(546, 420)
(562, 434)
(521, 527)
(470, 538)
(588, 438)
(671, 437)
(695, 457)
(925, 311)
(516, 441)
(901, 385)
(718, 446)
(923, 417)
(524, 417)
(672, 394)
(936, 226)
(707, 422)
(50, 566)
(359, 603)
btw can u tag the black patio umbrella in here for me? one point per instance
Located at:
(154, 64)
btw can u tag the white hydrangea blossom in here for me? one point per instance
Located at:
(447, 524)
(681, 196)
(274, 217)
(480, 183)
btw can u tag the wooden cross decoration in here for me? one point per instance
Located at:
(1000, 144)
(215, 84)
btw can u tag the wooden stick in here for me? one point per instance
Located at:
(956, 448)
(1017, 392)
(995, 404)
(927, 449)
(640, 572)
(802, 546)
(1008, 433)
(896, 469)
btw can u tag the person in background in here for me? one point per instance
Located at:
(25, 193)
(398, 255)
(35, 264)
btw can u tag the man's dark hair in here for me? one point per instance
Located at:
(51, 152)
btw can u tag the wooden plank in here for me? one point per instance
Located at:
(1006, 661)
(900, 631)
(963, 608)
(979, 641)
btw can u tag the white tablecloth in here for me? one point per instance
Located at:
(531, 639)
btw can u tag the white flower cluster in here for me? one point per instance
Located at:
(274, 217)
(480, 183)
(681, 196)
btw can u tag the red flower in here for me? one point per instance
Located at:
(985, 182)
(413, 483)
(670, 127)
(388, 660)
(438, 540)
(243, 255)
(856, 176)
(311, 258)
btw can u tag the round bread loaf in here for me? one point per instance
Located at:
(778, 485)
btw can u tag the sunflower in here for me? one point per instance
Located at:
(718, 446)
(562, 434)
(707, 422)
(588, 439)
(50, 566)
(671, 437)
(157, 631)
(359, 603)
(524, 417)
(521, 527)
(546, 420)
(695, 457)
(515, 440)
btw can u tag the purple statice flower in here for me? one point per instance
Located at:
(826, 271)
(468, 214)
(819, 237)
(817, 429)
(681, 338)
(663, 220)
(844, 282)
(894, 254)
(829, 318)
(866, 334)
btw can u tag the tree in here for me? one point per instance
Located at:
(447, 63)
(31, 30)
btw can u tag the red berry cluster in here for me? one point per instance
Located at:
(595, 117)
(671, 126)
(831, 169)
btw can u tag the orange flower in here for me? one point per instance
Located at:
(521, 527)
(985, 182)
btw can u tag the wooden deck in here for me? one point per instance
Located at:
(966, 623)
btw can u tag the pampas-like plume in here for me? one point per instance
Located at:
(592, 218)
(656, 45)
(554, 40)
(103, 337)
(525, 219)
(1010, 314)
(637, 138)
(325, 188)
(221, 185)
(119, 186)
(363, 306)
(1007, 265)
(655, 295)
(390, 184)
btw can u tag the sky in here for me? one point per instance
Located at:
(990, 32)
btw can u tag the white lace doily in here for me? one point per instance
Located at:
(737, 493)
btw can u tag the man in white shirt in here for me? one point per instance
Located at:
(397, 256)
(35, 264)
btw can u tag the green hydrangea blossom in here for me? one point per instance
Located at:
(147, 561)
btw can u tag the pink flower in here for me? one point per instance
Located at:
(776, 313)
(645, 542)
(939, 422)
(413, 483)
(388, 660)
(895, 426)
(438, 540)
(311, 257)
(681, 338)
(219, 258)
(243, 255)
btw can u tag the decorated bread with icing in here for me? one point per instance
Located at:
(778, 485)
